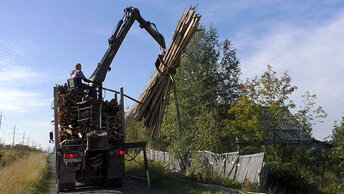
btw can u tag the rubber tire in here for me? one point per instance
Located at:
(66, 186)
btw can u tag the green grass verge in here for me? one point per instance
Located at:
(44, 184)
(9, 154)
(25, 175)
(169, 181)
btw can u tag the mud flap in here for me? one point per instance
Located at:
(66, 175)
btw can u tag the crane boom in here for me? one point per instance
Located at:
(130, 15)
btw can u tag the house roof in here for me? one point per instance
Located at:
(285, 128)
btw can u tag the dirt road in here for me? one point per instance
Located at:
(130, 185)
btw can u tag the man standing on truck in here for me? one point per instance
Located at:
(78, 76)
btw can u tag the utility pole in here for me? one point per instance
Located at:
(0, 126)
(23, 137)
(14, 134)
(28, 141)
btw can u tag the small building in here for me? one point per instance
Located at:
(283, 128)
(288, 129)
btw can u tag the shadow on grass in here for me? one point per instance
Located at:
(173, 182)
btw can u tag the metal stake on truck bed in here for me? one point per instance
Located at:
(56, 137)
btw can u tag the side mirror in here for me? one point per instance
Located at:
(51, 134)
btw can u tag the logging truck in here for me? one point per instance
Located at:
(89, 141)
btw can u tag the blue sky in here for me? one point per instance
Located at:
(40, 41)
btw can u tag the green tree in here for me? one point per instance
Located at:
(337, 153)
(264, 98)
(256, 117)
(135, 131)
(206, 81)
(310, 115)
(209, 73)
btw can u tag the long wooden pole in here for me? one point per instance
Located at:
(177, 109)
(123, 113)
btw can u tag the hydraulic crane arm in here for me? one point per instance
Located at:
(130, 15)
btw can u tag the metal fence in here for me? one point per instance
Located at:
(245, 168)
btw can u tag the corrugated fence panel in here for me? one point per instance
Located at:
(246, 168)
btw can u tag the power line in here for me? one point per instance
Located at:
(202, 94)
(0, 127)
(201, 105)
(0, 124)
(197, 82)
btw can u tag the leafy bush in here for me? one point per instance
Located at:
(10, 154)
(287, 178)
(200, 169)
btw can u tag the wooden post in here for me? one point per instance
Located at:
(115, 96)
(146, 165)
(177, 109)
(122, 111)
(100, 91)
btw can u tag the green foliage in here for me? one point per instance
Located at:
(337, 153)
(309, 115)
(201, 171)
(266, 100)
(206, 81)
(269, 90)
(245, 128)
(267, 95)
(209, 73)
(10, 154)
(288, 169)
(163, 178)
(135, 131)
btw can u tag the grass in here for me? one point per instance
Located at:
(169, 181)
(8, 155)
(26, 175)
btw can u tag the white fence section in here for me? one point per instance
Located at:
(245, 168)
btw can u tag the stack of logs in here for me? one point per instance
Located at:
(68, 116)
(154, 97)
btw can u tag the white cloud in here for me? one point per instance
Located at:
(40, 124)
(20, 100)
(15, 80)
(12, 73)
(314, 58)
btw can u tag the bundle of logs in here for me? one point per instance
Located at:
(74, 120)
(156, 93)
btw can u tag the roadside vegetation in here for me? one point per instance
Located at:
(23, 170)
(173, 182)
(220, 113)
(8, 154)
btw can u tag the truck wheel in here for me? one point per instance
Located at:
(113, 183)
(66, 186)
